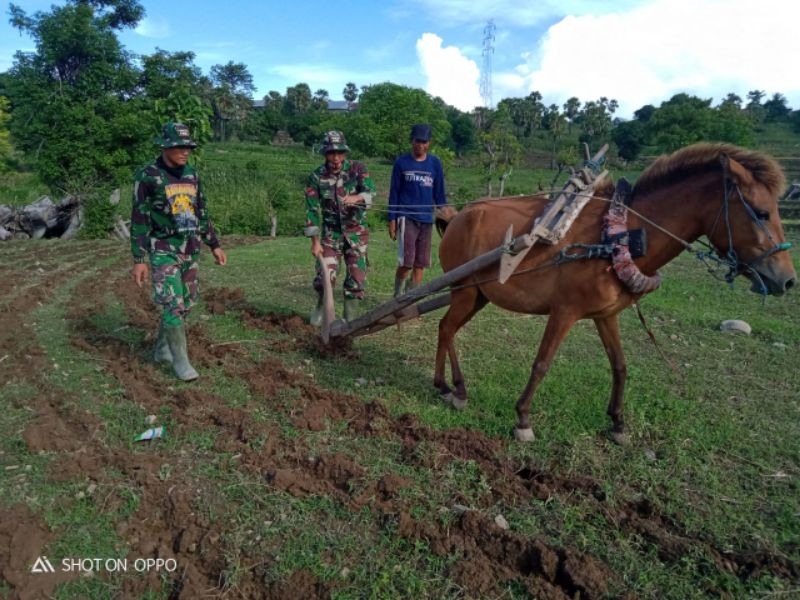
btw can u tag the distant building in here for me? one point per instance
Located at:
(333, 105)
(341, 105)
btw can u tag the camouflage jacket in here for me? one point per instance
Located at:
(324, 193)
(169, 212)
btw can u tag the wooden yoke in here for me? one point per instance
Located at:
(557, 217)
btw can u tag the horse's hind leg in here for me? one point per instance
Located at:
(463, 306)
(558, 325)
(608, 329)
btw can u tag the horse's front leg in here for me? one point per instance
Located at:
(558, 325)
(608, 329)
(463, 306)
(439, 381)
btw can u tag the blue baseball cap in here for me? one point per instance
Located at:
(421, 132)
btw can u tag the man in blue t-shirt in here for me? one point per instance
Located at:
(417, 185)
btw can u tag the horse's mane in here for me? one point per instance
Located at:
(699, 158)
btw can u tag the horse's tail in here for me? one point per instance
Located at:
(442, 217)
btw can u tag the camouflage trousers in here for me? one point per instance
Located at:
(353, 246)
(174, 285)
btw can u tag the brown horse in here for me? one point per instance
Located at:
(721, 191)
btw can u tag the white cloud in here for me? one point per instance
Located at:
(448, 73)
(702, 47)
(516, 13)
(153, 28)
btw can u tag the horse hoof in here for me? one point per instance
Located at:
(447, 397)
(524, 435)
(457, 402)
(619, 438)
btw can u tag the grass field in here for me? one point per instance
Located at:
(288, 471)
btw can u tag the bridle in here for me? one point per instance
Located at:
(730, 259)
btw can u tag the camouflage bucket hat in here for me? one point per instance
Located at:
(175, 135)
(334, 141)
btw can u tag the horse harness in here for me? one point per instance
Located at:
(730, 259)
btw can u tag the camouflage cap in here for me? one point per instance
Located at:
(334, 141)
(175, 135)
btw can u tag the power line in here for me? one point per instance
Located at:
(486, 71)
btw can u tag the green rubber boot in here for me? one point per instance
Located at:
(162, 353)
(398, 286)
(350, 308)
(176, 338)
(316, 315)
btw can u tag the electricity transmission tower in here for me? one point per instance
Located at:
(486, 71)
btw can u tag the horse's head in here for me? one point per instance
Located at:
(747, 230)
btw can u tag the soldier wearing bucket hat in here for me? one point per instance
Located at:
(169, 220)
(338, 194)
(175, 135)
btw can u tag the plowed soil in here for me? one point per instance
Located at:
(166, 522)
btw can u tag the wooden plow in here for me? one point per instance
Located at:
(550, 227)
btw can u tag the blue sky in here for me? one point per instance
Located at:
(637, 51)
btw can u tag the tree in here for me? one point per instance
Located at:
(629, 136)
(262, 125)
(794, 119)
(777, 108)
(5, 140)
(231, 97)
(385, 116)
(732, 100)
(595, 119)
(501, 149)
(320, 99)
(234, 77)
(685, 119)
(572, 108)
(298, 100)
(350, 92)
(76, 112)
(163, 72)
(555, 123)
(462, 131)
(643, 114)
(754, 106)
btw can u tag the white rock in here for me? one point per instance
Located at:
(736, 325)
(501, 522)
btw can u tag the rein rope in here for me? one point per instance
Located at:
(710, 256)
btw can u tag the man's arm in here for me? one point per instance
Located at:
(365, 188)
(313, 214)
(140, 229)
(394, 192)
(204, 223)
(140, 219)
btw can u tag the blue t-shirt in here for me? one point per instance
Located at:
(416, 186)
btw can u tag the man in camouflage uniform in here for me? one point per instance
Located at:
(338, 194)
(168, 221)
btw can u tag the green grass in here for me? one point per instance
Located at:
(714, 447)
(20, 188)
